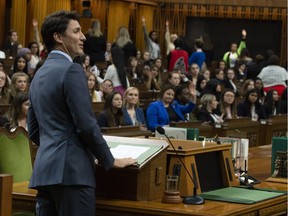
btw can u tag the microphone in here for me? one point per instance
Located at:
(194, 199)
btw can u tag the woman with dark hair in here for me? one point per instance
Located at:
(230, 81)
(35, 54)
(17, 113)
(112, 115)
(271, 104)
(95, 43)
(200, 86)
(20, 64)
(227, 104)
(166, 109)
(273, 75)
(116, 72)
(151, 41)
(247, 85)
(212, 87)
(250, 106)
(259, 86)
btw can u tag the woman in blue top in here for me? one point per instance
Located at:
(166, 109)
(133, 115)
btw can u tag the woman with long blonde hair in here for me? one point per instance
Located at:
(95, 43)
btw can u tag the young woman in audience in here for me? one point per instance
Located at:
(133, 114)
(230, 82)
(247, 85)
(133, 71)
(19, 83)
(92, 83)
(271, 104)
(4, 88)
(85, 62)
(227, 104)
(124, 42)
(207, 74)
(219, 75)
(152, 78)
(222, 65)
(166, 109)
(116, 72)
(208, 112)
(20, 64)
(106, 87)
(17, 113)
(174, 78)
(112, 115)
(35, 54)
(259, 86)
(250, 106)
(201, 84)
(158, 63)
(212, 87)
(151, 42)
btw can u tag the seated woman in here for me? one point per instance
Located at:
(227, 104)
(112, 115)
(174, 78)
(250, 106)
(106, 87)
(230, 81)
(133, 115)
(19, 83)
(95, 95)
(247, 85)
(271, 103)
(152, 78)
(4, 88)
(166, 109)
(17, 113)
(208, 110)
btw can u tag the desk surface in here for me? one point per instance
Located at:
(24, 198)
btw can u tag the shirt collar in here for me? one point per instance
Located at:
(63, 53)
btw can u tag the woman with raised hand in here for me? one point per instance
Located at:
(166, 109)
(151, 41)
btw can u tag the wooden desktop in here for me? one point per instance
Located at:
(259, 167)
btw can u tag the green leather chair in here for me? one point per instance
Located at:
(15, 154)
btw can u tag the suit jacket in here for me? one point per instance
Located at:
(243, 110)
(139, 116)
(157, 114)
(62, 123)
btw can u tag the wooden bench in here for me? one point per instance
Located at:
(125, 131)
(8, 64)
(276, 126)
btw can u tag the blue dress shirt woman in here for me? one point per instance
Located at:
(166, 109)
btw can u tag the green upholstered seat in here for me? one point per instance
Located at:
(15, 155)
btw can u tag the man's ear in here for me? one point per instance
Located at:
(58, 37)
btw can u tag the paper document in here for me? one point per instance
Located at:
(124, 151)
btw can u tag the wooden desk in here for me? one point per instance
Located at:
(126, 131)
(24, 199)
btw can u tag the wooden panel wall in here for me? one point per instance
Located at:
(2, 20)
(118, 15)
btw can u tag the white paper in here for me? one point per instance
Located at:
(124, 151)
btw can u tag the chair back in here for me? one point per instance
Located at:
(15, 154)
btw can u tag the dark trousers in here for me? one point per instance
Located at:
(65, 201)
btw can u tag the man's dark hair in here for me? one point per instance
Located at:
(56, 22)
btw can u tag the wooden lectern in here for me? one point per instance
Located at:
(210, 165)
(143, 182)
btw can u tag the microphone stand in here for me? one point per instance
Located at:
(194, 199)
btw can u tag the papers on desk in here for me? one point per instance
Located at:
(125, 151)
(142, 150)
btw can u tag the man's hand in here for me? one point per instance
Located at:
(121, 163)
(34, 22)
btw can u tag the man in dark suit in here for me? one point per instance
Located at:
(62, 123)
